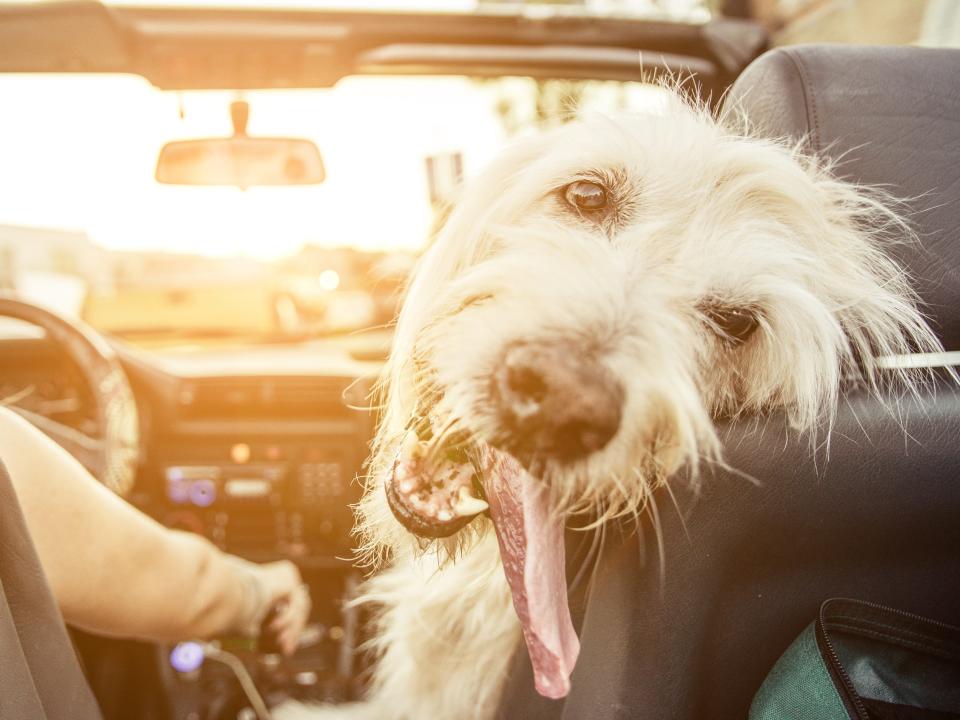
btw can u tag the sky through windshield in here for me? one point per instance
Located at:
(80, 151)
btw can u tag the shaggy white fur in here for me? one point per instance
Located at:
(699, 221)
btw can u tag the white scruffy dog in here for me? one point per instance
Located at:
(597, 297)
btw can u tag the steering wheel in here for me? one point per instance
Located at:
(111, 455)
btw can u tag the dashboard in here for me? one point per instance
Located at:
(263, 465)
(36, 375)
(259, 449)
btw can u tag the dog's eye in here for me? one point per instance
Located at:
(586, 195)
(735, 324)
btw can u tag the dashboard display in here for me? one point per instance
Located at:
(204, 485)
(288, 497)
(192, 485)
(247, 488)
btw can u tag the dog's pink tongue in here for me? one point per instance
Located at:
(531, 547)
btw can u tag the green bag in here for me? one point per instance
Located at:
(861, 661)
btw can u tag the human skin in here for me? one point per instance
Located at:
(115, 571)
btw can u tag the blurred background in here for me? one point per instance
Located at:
(86, 228)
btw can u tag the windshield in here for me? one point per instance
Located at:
(86, 228)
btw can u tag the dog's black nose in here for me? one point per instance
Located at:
(555, 402)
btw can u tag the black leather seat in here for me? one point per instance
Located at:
(40, 678)
(879, 521)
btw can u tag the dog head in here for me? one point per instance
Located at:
(605, 290)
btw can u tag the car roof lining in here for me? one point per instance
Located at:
(203, 48)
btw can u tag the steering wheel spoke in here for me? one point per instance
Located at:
(88, 450)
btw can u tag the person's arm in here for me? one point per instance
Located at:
(115, 571)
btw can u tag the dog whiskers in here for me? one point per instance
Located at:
(653, 513)
(676, 505)
(592, 558)
(727, 468)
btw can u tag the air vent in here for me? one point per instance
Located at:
(294, 397)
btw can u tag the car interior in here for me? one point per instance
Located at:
(257, 444)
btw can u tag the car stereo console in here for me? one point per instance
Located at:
(266, 468)
(289, 498)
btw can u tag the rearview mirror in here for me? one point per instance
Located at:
(242, 161)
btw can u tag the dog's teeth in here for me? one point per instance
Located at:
(444, 516)
(467, 504)
(471, 506)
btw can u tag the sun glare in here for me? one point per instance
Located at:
(80, 152)
(329, 280)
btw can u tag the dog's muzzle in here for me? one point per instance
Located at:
(552, 402)
(555, 402)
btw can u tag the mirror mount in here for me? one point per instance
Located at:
(239, 115)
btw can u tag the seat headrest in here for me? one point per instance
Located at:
(889, 117)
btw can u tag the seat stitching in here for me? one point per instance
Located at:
(810, 104)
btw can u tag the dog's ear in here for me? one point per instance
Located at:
(844, 305)
(868, 291)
